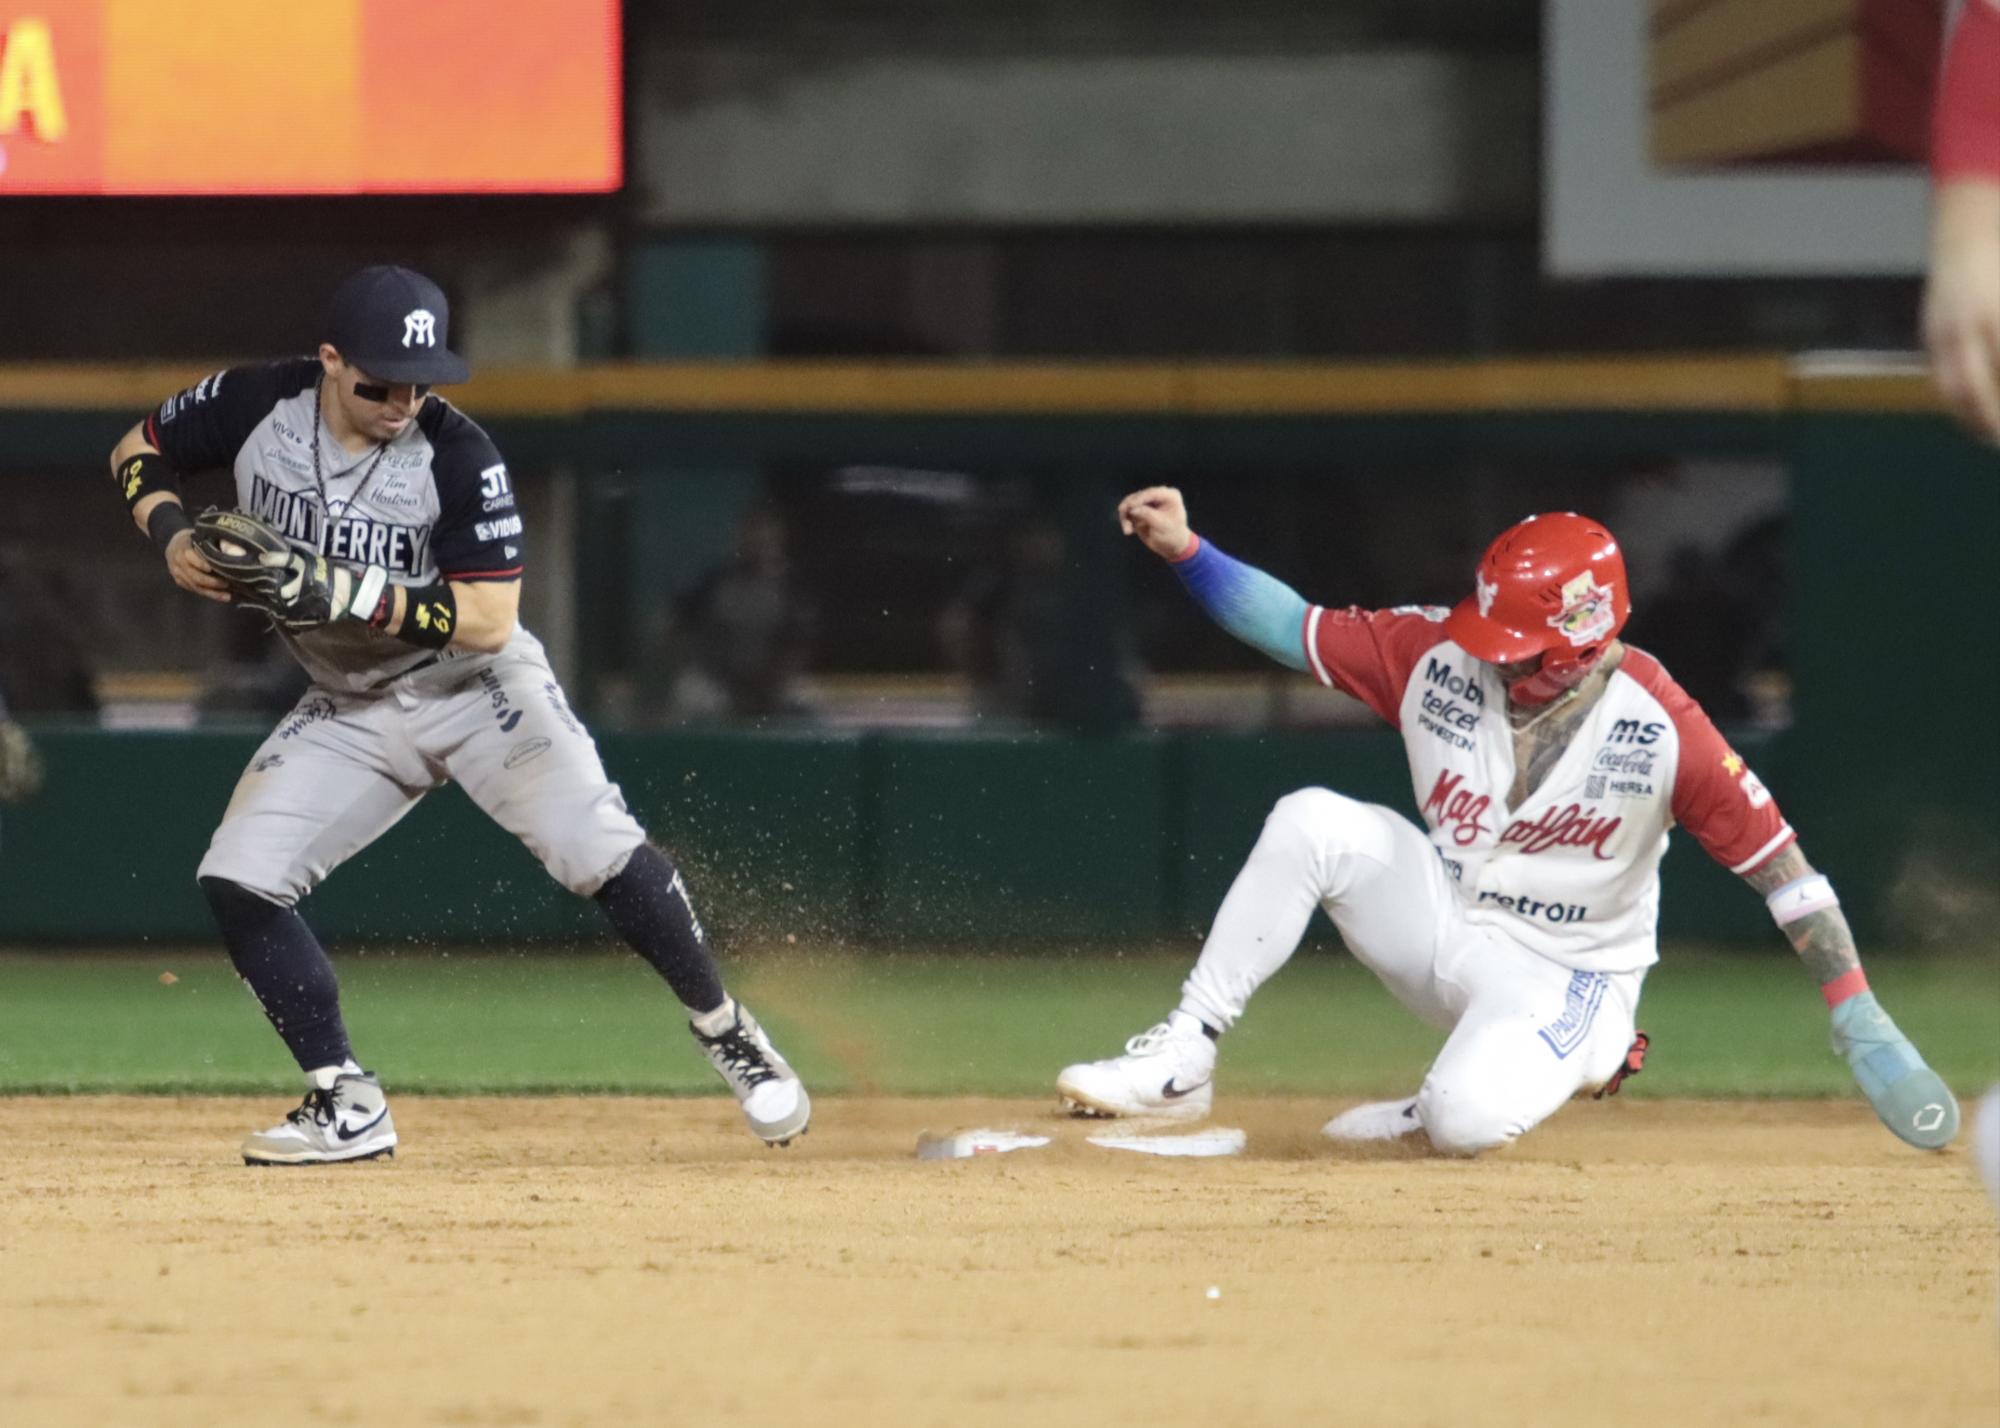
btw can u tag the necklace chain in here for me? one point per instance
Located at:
(1560, 702)
(326, 513)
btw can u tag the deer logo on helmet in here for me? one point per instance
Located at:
(1587, 614)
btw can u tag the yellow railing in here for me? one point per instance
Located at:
(1747, 384)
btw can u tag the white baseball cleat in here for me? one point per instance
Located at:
(1986, 1143)
(347, 1119)
(1375, 1121)
(774, 1101)
(1167, 1073)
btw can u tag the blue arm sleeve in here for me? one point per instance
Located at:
(1258, 609)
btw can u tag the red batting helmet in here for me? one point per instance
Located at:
(1551, 587)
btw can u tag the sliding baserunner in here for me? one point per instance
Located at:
(1549, 761)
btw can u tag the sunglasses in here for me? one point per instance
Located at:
(379, 391)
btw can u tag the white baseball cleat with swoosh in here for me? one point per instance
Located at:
(774, 1101)
(347, 1120)
(1166, 1073)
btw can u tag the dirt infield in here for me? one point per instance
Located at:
(639, 1261)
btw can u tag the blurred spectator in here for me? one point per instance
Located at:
(42, 664)
(1755, 581)
(739, 639)
(20, 765)
(1013, 632)
(1003, 631)
(1696, 628)
(1717, 620)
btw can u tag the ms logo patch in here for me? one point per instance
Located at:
(420, 329)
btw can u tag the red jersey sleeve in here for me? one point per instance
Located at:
(1716, 796)
(1370, 654)
(1965, 139)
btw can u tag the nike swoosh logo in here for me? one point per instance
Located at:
(1174, 1093)
(345, 1134)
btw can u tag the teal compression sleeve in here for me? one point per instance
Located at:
(1258, 609)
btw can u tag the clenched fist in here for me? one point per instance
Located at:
(1158, 516)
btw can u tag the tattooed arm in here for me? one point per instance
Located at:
(1910, 1098)
(1822, 939)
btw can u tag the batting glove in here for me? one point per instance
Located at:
(1909, 1097)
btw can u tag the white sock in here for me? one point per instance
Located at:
(714, 1023)
(322, 1078)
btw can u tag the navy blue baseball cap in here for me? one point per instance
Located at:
(393, 324)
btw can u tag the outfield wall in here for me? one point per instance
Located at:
(941, 839)
(1888, 770)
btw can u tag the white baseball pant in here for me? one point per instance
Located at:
(341, 769)
(1526, 1033)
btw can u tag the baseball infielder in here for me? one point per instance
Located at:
(1549, 761)
(377, 530)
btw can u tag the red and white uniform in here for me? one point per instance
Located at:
(1573, 873)
(1526, 932)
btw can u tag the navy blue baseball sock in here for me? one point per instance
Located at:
(287, 970)
(648, 903)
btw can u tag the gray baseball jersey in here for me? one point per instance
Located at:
(385, 722)
(435, 503)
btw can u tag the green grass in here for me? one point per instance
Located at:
(1723, 1024)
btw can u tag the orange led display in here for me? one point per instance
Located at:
(338, 96)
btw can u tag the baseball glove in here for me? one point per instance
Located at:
(263, 571)
(20, 765)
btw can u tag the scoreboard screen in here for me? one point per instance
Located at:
(327, 97)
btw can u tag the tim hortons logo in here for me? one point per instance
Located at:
(1458, 808)
(1571, 827)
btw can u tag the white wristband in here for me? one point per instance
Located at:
(1802, 897)
(365, 593)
